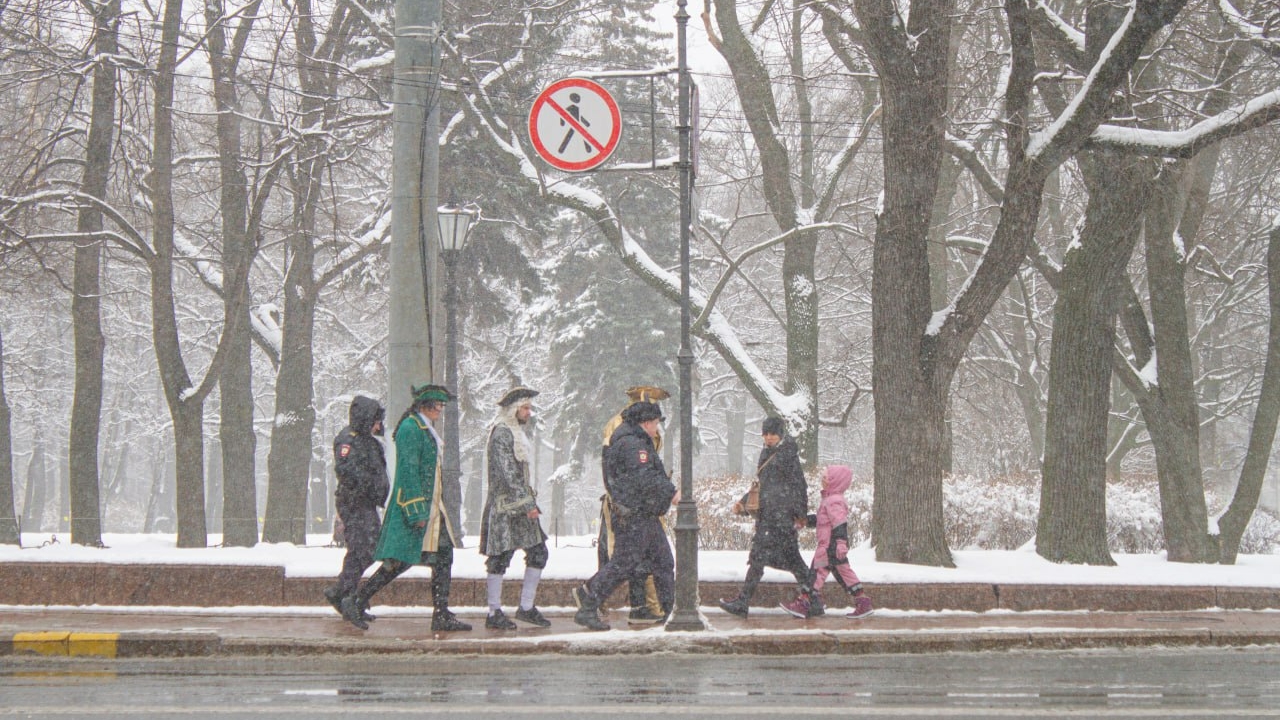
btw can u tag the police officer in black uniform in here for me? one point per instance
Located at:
(363, 487)
(641, 494)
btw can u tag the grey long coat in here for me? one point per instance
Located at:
(506, 524)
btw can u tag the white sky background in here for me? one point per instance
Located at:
(575, 558)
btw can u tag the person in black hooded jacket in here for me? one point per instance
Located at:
(784, 509)
(641, 493)
(363, 486)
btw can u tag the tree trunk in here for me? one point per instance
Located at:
(33, 508)
(735, 420)
(213, 483)
(186, 404)
(86, 307)
(1232, 524)
(1175, 425)
(62, 481)
(289, 460)
(910, 424)
(1072, 526)
(800, 289)
(188, 495)
(9, 530)
(784, 199)
(239, 483)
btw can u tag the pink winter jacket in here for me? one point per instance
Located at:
(833, 510)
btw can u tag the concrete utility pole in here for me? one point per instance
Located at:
(414, 170)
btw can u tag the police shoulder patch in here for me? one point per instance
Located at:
(644, 456)
(344, 450)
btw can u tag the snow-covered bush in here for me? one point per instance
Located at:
(997, 513)
(1262, 535)
(718, 527)
(1134, 524)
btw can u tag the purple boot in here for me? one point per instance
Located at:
(799, 607)
(861, 607)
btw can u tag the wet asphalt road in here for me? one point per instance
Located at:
(1149, 683)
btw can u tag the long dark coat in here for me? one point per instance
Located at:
(506, 524)
(417, 496)
(783, 500)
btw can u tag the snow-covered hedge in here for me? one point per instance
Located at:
(981, 514)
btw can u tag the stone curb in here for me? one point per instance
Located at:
(237, 585)
(779, 644)
(165, 644)
(121, 645)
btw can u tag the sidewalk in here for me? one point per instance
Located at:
(171, 632)
(164, 610)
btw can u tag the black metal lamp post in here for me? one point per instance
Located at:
(454, 223)
(686, 615)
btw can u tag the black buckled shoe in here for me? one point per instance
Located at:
(444, 620)
(644, 616)
(533, 617)
(497, 620)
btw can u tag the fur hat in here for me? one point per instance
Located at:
(516, 394)
(773, 426)
(647, 393)
(639, 412)
(423, 393)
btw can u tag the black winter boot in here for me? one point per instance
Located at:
(816, 608)
(442, 619)
(334, 596)
(737, 606)
(588, 615)
(351, 611)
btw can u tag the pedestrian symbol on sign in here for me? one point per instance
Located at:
(576, 113)
(575, 125)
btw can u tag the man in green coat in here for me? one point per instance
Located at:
(416, 528)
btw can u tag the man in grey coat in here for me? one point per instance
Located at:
(511, 515)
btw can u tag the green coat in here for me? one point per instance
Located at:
(415, 497)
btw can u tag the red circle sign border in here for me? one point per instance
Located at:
(609, 147)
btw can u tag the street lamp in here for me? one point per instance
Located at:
(454, 222)
(685, 616)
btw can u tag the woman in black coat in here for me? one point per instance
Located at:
(784, 507)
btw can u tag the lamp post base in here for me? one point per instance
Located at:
(685, 615)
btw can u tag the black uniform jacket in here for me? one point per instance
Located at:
(638, 482)
(358, 457)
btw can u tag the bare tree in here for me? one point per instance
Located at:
(86, 310)
(325, 136)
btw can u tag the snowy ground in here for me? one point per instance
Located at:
(574, 557)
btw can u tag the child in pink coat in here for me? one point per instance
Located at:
(833, 549)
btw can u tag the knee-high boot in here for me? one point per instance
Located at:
(441, 617)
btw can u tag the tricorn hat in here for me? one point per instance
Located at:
(515, 395)
(647, 393)
(422, 393)
(642, 411)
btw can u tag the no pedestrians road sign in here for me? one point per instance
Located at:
(575, 124)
